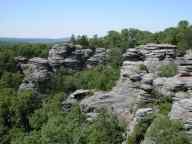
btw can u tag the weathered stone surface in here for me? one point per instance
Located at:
(181, 95)
(80, 94)
(99, 57)
(36, 70)
(141, 113)
(157, 55)
(148, 78)
(160, 51)
(75, 56)
(72, 63)
(121, 100)
(182, 110)
(133, 54)
(132, 70)
(153, 63)
(75, 97)
(27, 85)
(58, 53)
(184, 66)
(21, 59)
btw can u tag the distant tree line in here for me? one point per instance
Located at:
(181, 36)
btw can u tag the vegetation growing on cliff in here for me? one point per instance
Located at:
(25, 119)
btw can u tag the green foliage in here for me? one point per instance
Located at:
(11, 80)
(101, 77)
(142, 67)
(63, 128)
(64, 81)
(105, 130)
(50, 107)
(72, 128)
(164, 105)
(166, 131)
(129, 38)
(168, 70)
(27, 119)
(7, 62)
(31, 50)
(14, 111)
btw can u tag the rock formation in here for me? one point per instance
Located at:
(36, 71)
(135, 86)
(182, 110)
(71, 57)
(139, 85)
(75, 56)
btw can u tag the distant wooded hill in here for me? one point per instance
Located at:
(32, 40)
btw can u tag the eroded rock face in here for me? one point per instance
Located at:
(36, 70)
(137, 81)
(184, 66)
(99, 57)
(123, 99)
(57, 54)
(160, 51)
(182, 110)
(133, 54)
(157, 55)
(75, 56)
(75, 97)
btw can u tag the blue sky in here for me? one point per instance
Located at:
(61, 18)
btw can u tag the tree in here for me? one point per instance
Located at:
(166, 131)
(105, 130)
(73, 39)
(83, 40)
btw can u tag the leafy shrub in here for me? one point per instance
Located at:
(166, 131)
(164, 105)
(142, 67)
(101, 78)
(31, 50)
(167, 70)
(11, 80)
(105, 130)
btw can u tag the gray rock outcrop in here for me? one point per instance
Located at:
(99, 57)
(75, 56)
(36, 71)
(182, 110)
(75, 97)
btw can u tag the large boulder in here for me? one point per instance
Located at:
(75, 97)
